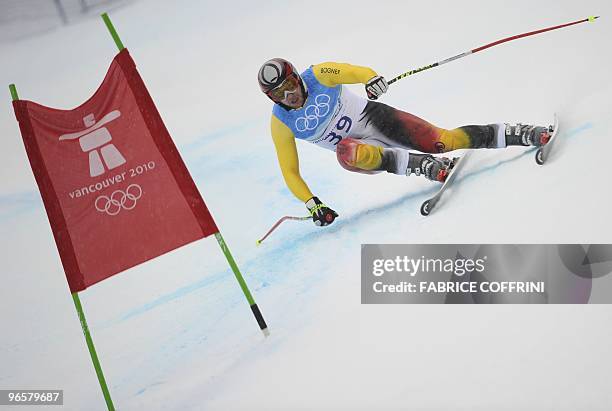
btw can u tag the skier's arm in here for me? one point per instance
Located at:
(331, 74)
(286, 151)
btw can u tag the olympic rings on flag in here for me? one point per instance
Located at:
(119, 200)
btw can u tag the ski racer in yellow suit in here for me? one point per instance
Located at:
(367, 136)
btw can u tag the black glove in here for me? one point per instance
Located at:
(376, 87)
(321, 214)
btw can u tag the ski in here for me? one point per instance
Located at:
(430, 204)
(544, 151)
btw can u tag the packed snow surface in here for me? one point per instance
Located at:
(176, 333)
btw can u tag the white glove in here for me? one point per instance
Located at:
(376, 87)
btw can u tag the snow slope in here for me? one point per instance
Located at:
(176, 332)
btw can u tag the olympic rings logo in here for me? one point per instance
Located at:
(119, 200)
(312, 113)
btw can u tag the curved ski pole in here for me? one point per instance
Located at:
(486, 46)
(279, 222)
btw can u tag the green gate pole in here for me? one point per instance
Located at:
(245, 289)
(83, 321)
(92, 352)
(14, 94)
(113, 32)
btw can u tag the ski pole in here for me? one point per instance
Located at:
(486, 46)
(279, 222)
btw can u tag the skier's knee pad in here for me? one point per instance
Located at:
(359, 157)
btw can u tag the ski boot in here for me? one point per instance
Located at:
(433, 168)
(527, 135)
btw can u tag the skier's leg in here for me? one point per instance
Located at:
(396, 128)
(400, 129)
(355, 155)
(499, 135)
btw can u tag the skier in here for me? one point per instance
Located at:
(367, 136)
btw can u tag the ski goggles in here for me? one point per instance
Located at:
(290, 84)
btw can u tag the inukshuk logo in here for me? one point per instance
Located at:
(96, 140)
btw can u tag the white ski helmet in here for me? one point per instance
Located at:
(273, 73)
